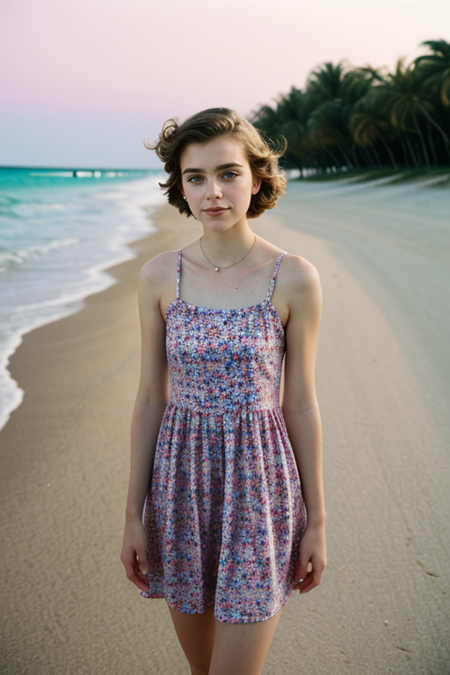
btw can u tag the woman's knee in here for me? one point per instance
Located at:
(242, 647)
(195, 633)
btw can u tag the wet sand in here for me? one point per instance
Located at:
(383, 379)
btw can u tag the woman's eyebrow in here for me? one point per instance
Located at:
(227, 166)
(221, 167)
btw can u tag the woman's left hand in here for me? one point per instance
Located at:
(311, 560)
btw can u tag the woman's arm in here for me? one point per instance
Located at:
(151, 401)
(301, 412)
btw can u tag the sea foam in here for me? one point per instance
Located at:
(58, 237)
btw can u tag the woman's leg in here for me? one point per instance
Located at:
(196, 635)
(220, 648)
(241, 648)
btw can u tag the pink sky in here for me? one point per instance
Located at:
(84, 82)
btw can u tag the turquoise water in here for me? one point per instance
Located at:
(60, 229)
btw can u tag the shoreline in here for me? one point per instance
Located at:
(140, 250)
(57, 255)
(65, 307)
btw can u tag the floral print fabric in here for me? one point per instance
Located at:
(224, 513)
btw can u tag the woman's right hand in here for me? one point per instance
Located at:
(134, 554)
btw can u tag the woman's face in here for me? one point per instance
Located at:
(217, 182)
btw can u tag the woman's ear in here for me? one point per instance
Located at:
(256, 186)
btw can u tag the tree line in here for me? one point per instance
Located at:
(360, 118)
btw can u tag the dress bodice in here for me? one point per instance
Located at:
(223, 360)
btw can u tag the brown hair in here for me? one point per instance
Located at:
(203, 127)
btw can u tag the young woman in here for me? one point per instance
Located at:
(217, 521)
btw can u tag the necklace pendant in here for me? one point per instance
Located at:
(216, 269)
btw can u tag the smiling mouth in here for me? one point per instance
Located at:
(216, 210)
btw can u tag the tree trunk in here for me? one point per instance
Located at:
(441, 131)
(430, 141)
(422, 140)
(335, 159)
(365, 156)
(368, 158)
(405, 152)
(346, 157)
(377, 156)
(408, 142)
(391, 154)
(355, 156)
(373, 164)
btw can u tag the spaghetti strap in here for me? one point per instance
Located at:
(178, 274)
(274, 276)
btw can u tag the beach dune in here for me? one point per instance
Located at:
(382, 377)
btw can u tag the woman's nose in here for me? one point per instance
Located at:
(213, 191)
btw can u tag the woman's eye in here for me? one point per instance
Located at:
(230, 174)
(194, 179)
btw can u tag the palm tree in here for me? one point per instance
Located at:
(437, 67)
(356, 85)
(345, 114)
(401, 93)
(335, 90)
(327, 127)
(288, 121)
(368, 124)
(267, 120)
(409, 97)
(435, 70)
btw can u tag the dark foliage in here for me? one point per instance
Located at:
(353, 119)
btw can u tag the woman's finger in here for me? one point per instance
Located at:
(301, 570)
(140, 580)
(312, 580)
(133, 571)
(142, 560)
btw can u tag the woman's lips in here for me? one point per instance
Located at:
(216, 211)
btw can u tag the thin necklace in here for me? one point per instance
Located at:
(217, 269)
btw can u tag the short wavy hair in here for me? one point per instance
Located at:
(202, 127)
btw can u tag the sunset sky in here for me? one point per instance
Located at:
(83, 83)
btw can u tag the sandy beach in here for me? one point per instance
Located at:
(383, 381)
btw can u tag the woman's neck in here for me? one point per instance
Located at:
(225, 248)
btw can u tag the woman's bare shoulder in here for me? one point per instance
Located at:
(158, 275)
(160, 267)
(299, 280)
(297, 272)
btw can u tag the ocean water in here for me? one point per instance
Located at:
(59, 232)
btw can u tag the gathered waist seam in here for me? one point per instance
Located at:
(239, 409)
